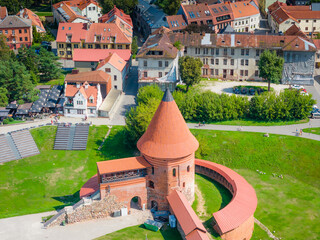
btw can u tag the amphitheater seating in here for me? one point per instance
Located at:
(6, 152)
(80, 137)
(244, 201)
(71, 137)
(24, 143)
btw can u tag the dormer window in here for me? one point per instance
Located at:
(91, 99)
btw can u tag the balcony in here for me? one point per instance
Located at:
(123, 176)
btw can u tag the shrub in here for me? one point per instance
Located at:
(11, 119)
(6, 121)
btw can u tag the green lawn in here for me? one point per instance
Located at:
(139, 232)
(16, 121)
(52, 179)
(312, 130)
(257, 123)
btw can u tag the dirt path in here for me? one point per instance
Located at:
(264, 228)
(200, 207)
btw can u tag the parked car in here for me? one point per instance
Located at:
(252, 91)
(298, 87)
(244, 90)
(236, 90)
(315, 114)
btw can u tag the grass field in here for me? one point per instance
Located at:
(289, 206)
(139, 232)
(52, 179)
(312, 130)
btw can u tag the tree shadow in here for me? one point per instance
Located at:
(67, 200)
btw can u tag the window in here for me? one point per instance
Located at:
(246, 72)
(306, 28)
(6, 31)
(205, 51)
(225, 61)
(247, 62)
(232, 51)
(20, 39)
(242, 62)
(160, 63)
(115, 77)
(256, 73)
(145, 63)
(75, 46)
(119, 46)
(212, 51)
(152, 170)
(257, 52)
(20, 31)
(217, 61)
(314, 21)
(151, 184)
(217, 71)
(242, 52)
(231, 72)
(212, 61)
(90, 46)
(107, 70)
(241, 72)
(188, 169)
(212, 71)
(26, 39)
(232, 62)
(79, 111)
(91, 110)
(217, 51)
(92, 63)
(93, 8)
(166, 63)
(89, 8)
(247, 52)
(197, 50)
(174, 172)
(225, 51)
(25, 31)
(60, 45)
(61, 52)
(257, 62)
(307, 21)
(160, 74)
(145, 74)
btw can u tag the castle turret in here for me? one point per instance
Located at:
(169, 147)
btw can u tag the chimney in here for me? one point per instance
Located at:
(78, 85)
(21, 13)
(86, 85)
(98, 87)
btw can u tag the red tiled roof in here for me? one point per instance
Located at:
(114, 60)
(81, 4)
(176, 22)
(317, 43)
(294, 30)
(167, 135)
(26, 13)
(96, 55)
(3, 12)
(90, 77)
(244, 9)
(185, 215)
(86, 90)
(118, 13)
(90, 187)
(76, 30)
(305, 14)
(124, 164)
(243, 203)
(197, 235)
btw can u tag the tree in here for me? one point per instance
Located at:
(190, 70)
(16, 80)
(270, 67)
(36, 35)
(48, 67)
(3, 97)
(134, 45)
(30, 59)
(126, 5)
(148, 92)
(5, 52)
(170, 7)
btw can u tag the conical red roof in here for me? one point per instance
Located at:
(167, 135)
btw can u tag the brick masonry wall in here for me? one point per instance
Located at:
(243, 232)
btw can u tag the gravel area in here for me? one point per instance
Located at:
(227, 86)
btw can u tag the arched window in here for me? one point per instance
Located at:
(174, 172)
(151, 184)
(188, 169)
(152, 170)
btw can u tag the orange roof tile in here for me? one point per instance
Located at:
(90, 77)
(124, 164)
(114, 60)
(96, 55)
(116, 12)
(176, 22)
(244, 9)
(317, 43)
(76, 30)
(90, 187)
(184, 213)
(197, 235)
(86, 90)
(294, 30)
(28, 14)
(167, 135)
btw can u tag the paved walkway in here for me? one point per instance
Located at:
(29, 227)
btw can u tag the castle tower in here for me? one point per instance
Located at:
(169, 147)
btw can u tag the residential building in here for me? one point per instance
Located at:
(93, 78)
(281, 17)
(3, 13)
(243, 16)
(117, 68)
(317, 57)
(90, 36)
(118, 17)
(148, 18)
(17, 31)
(82, 100)
(236, 56)
(246, 16)
(28, 14)
(298, 2)
(76, 11)
(158, 61)
(88, 59)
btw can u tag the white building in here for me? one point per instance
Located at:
(82, 100)
(117, 68)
